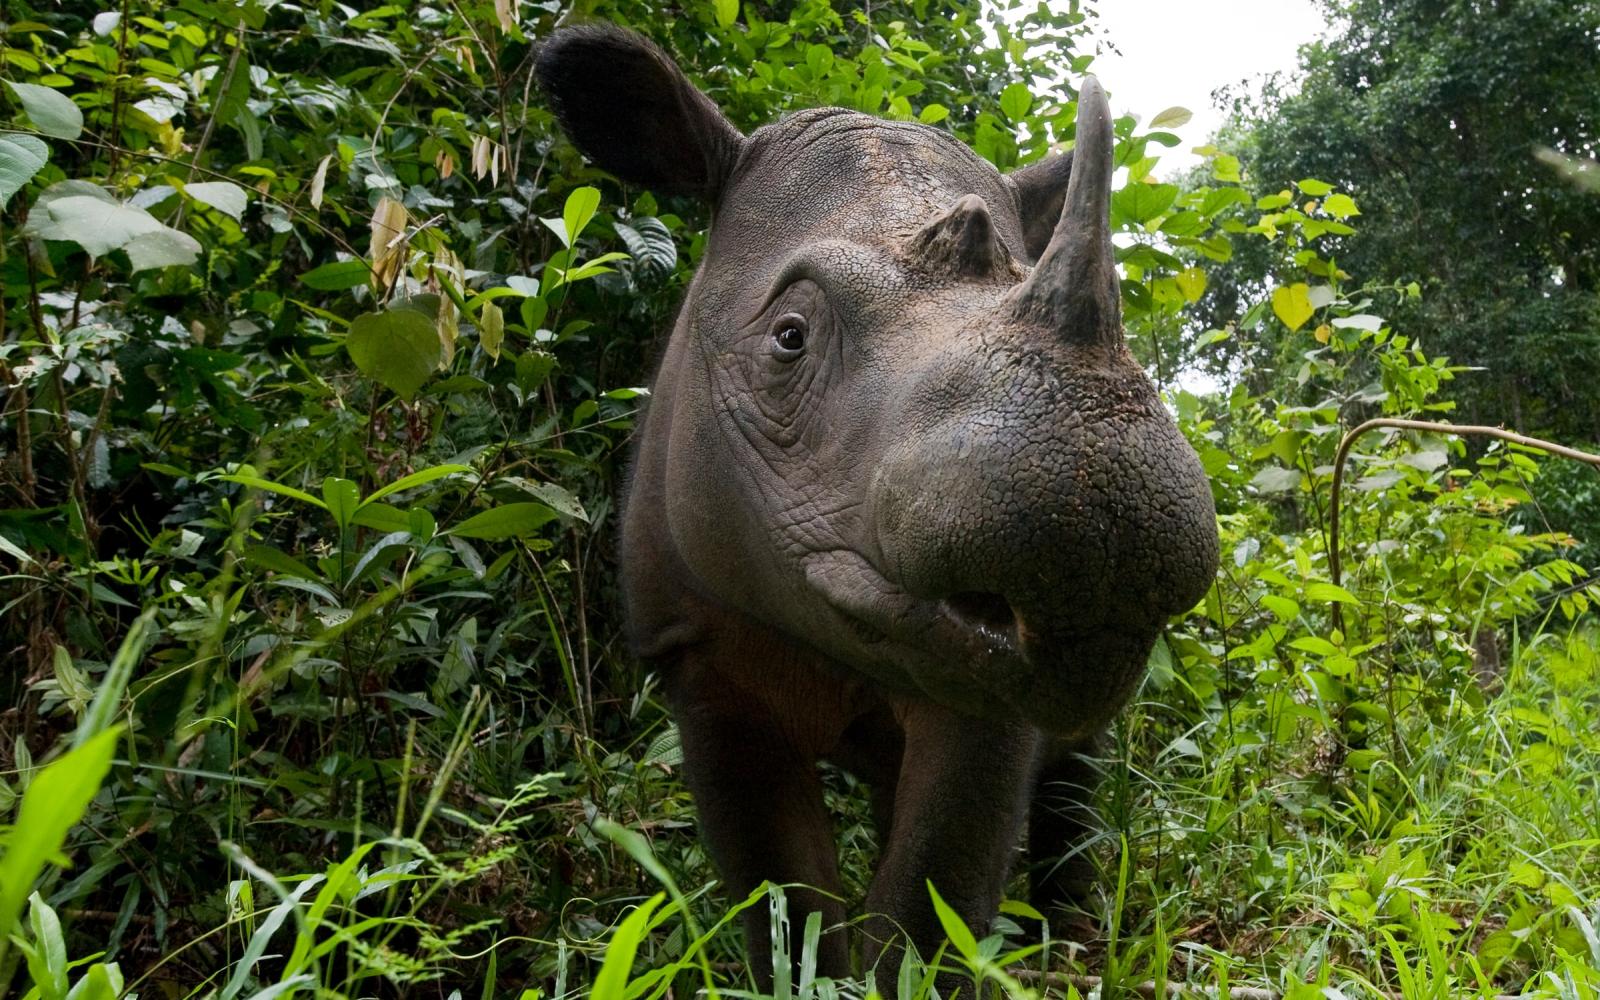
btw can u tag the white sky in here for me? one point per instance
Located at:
(1176, 52)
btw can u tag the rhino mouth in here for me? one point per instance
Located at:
(989, 617)
(965, 650)
(973, 652)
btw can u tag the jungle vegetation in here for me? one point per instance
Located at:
(319, 353)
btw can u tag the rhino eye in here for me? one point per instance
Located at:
(789, 337)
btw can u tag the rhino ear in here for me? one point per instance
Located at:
(1041, 189)
(629, 108)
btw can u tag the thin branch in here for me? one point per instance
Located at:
(1335, 565)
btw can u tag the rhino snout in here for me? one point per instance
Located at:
(1059, 528)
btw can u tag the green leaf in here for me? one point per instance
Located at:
(1292, 304)
(1018, 908)
(512, 520)
(51, 111)
(225, 197)
(1276, 479)
(1191, 282)
(258, 483)
(343, 499)
(94, 221)
(161, 248)
(1015, 101)
(579, 209)
(954, 927)
(398, 348)
(337, 276)
(416, 479)
(1139, 203)
(727, 12)
(267, 557)
(932, 114)
(108, 698)
(612, 980)
(1340, 206)
(1173, 117)
(1313, 187)
(47, 961)
(21, 157)
(1329, 592)
(650, 244)
(54, 802)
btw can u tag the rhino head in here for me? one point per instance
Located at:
(896, 420)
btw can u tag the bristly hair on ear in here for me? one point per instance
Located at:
(628, 107)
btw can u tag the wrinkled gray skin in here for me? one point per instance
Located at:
(931, 538)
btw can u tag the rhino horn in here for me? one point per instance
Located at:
(962, 242)
(1074, 287)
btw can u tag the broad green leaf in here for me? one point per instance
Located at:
(511, 520)
(932, 114)
(342, 498)
(99, 225)
(1340, 206)
(278, 561)
(103, 981)
(337, 276)
(161, 248)
(21, 157)
(1173, 117)
(579, 209)
(1329, 592)
(612, 980)
(398, 348)
(1139, 203)
(1191, 282)
(1276, 479)
(727, 12)
(954, 927)
(1313, 187)
(51, 111)
(1292, 304)
(54, 802)
(1015, 101)
(225, 197)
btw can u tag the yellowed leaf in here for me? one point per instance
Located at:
(492, 329)
(1191, 282)
(387, 249)
(1292, 304)
(1322, 333)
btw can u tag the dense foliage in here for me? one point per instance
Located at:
(1429, 112)
(321, 351)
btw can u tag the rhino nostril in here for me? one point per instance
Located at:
(988, 614)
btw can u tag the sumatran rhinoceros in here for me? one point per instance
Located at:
(902, 499)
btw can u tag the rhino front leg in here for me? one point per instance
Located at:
(958, 811)
(1061, 823)
(761, 814)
